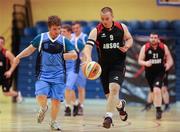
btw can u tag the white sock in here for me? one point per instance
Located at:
(109, 114)
(67, 105)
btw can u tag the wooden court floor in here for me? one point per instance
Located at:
(22, 118)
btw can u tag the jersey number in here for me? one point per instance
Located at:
(155, 55)
(111, 37)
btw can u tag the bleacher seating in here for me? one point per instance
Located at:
(26, 72)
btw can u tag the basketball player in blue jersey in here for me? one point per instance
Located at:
(72, 70)
(52, 48)
(156, 58)
(112, 40)
(78, 35)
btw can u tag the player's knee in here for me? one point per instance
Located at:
(157, 91)
(55, 103)
(114, 90)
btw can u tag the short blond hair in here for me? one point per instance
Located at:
(106, 9)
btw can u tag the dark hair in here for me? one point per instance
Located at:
(106, 9)
(54, 20)
(76, 22)
(1, 37)
(67, 27)
(154, 33)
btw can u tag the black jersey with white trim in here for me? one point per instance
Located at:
(108, 43)
(156, 56)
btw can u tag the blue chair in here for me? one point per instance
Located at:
(67, 22)
(93, 24)
(86, 29)
(163, 24)
(42, 29)
(175, 24)
(41, 24)
(134, 25)
(30, 31)
(147, 25)
(83, 23)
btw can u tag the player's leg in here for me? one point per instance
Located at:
(8, 91)
(57, 96)
(6, 87)
(165, 95)
(105, 83)
(42, 91)
(81, 83)
(149, 101)
(157, 95)
(71, 79)
(74, 102)
(116, 78)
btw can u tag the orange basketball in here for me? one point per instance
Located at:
(91, 70)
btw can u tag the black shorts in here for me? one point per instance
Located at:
(155, 79)
(6, 83)
(113, 73)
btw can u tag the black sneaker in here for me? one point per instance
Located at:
(75, 110)
(67, 111)
(122, 112)
(158, 114)
(107, 122)
(166, 108)
(80, 110)
(147, 107)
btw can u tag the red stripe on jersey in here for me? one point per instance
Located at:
(3, 50)
(161, 45)
(117, 24)
(99, 28)
(147, 46)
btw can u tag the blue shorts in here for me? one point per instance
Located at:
(71, 79)
(50, 89)
(81, 80)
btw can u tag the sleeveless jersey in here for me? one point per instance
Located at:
(50, 64)
(156, 56)
(108, 43)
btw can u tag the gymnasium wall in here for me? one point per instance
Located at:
(89, 9)
(6, 9)
(86, 10)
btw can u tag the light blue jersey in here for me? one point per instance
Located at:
(73, 67)
(81, 79)
(50, 65)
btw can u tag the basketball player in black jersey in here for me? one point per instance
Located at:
(6, 59)
(165, 96)
(112, 40)
(152, 56)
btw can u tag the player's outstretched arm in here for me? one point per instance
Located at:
(89, 46)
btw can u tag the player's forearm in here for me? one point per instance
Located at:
(70, 56)
(14, 64)
(129, 43)
(87, 53)
(142, 62)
